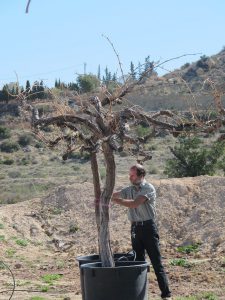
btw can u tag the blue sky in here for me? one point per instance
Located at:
(57, 37)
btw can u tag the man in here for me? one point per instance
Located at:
(140, 199)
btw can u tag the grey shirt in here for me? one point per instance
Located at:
(146, 210)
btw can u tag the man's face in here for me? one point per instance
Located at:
(134, 179)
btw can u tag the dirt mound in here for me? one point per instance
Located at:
(190, 211)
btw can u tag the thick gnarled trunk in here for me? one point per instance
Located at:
(97, 189)
(104, 236)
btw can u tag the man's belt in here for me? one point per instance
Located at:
(142, 223)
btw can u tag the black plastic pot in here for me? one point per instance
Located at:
(127, 280)
(129, 256)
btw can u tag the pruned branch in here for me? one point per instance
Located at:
(63, 119)
(27, 7)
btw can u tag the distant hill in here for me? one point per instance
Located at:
(190, 86)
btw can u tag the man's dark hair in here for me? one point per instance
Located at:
(139, 169)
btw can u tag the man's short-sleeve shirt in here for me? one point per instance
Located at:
(146, 210)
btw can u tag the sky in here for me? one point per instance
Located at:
(63, 38)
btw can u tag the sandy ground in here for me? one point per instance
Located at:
(61, 227)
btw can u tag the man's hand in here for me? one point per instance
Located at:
(115, 197)
(128, 202)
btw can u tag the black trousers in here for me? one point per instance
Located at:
(145, 237)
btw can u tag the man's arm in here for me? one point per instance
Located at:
(131, 203)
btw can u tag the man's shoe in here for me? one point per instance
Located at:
(167, 298)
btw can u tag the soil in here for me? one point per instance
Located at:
(44, 236)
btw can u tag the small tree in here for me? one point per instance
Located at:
(96, 127)
(87, 83)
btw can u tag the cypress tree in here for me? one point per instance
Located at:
(139, 70)
(132, 71)
(99, 72)
(56, 84)
(114, 77)
(28, 86)
(41, 90)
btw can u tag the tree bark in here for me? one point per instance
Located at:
(97, 190)
(104, 237)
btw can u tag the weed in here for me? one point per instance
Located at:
(2, 238)
(37, 298)
(2, 266)
(187, 298)
(22, 282)
(182, 262)
(73, 228)
(189, 248)
(44, 289)
(204, 296)
(50, 278)
(10, 252)
(21, 242)
(60, 264)
(209, 296)
(102, 173)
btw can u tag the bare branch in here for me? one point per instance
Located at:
(27, 8)
(61, 120)
(120, 64)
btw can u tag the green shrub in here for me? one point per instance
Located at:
(4, 133)
(82, 156)
(9, 146)
(25, 140)
(192, 158)
(142, 131)
(8, 161)
(88, 82)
